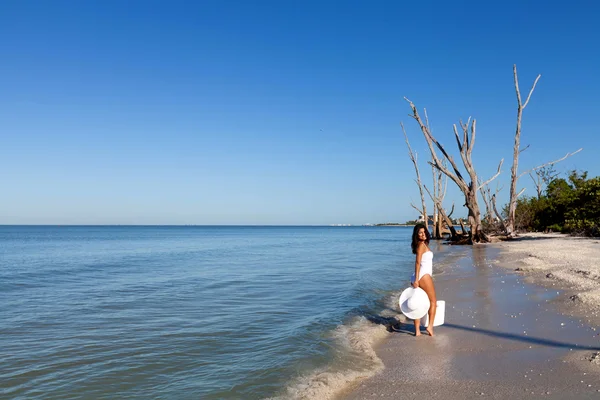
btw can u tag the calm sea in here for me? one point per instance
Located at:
(194, 312)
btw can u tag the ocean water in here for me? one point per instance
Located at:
(222, 312)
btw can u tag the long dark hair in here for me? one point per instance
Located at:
(415, 237)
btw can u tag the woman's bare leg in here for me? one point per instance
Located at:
(417, 327)
(426, 283)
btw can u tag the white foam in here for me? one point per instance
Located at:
(357, 361)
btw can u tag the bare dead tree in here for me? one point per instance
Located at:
(514, 176)
(487, 200)
(538, 182)
(512, 205)
(465, 147)
(493, 217)
(543, 176)
(413, 158)
(545, 173)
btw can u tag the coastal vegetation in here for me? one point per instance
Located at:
(570, 205)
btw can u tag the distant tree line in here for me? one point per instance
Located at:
(455, 221)
(569, 205)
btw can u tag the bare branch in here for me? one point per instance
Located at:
(464, 148)
(413, 157)
(516, 78)
(415, 207)
(460, 146)
(435, 193)
(471, 142)
(521, 192)
(427, 119)
(486, 195)
(551, 162)
(532, 89)
(522, 150)
(522, 106)
(493, 177)
(445, 187)
(538, 184)
(500, 219)
(456, 177)
(451, 211)
(429, 193)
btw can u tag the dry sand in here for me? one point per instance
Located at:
(506, 335)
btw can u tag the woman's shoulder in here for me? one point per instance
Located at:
(422, 248)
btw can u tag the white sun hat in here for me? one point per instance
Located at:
(414, 303)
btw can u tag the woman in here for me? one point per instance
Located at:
(424, 272)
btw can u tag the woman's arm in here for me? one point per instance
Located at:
(420, 251)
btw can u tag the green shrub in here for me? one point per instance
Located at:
(555, 228)
(569, 205)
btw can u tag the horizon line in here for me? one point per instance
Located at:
(209, 225)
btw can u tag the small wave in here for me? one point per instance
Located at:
(357, 360)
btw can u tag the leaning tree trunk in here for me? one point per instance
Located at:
(453, 234)
(498, 215)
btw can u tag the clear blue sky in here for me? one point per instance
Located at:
(276, 112)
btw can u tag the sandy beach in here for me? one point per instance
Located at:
(555, 260)
(521, 322)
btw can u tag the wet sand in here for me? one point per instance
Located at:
(506, 335)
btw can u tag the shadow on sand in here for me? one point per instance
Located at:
(408, 328)
(522, 338)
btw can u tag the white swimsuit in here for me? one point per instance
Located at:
(426, 265)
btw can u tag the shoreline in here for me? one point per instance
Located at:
(515, 334)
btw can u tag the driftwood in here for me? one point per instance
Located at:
(469, 189)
